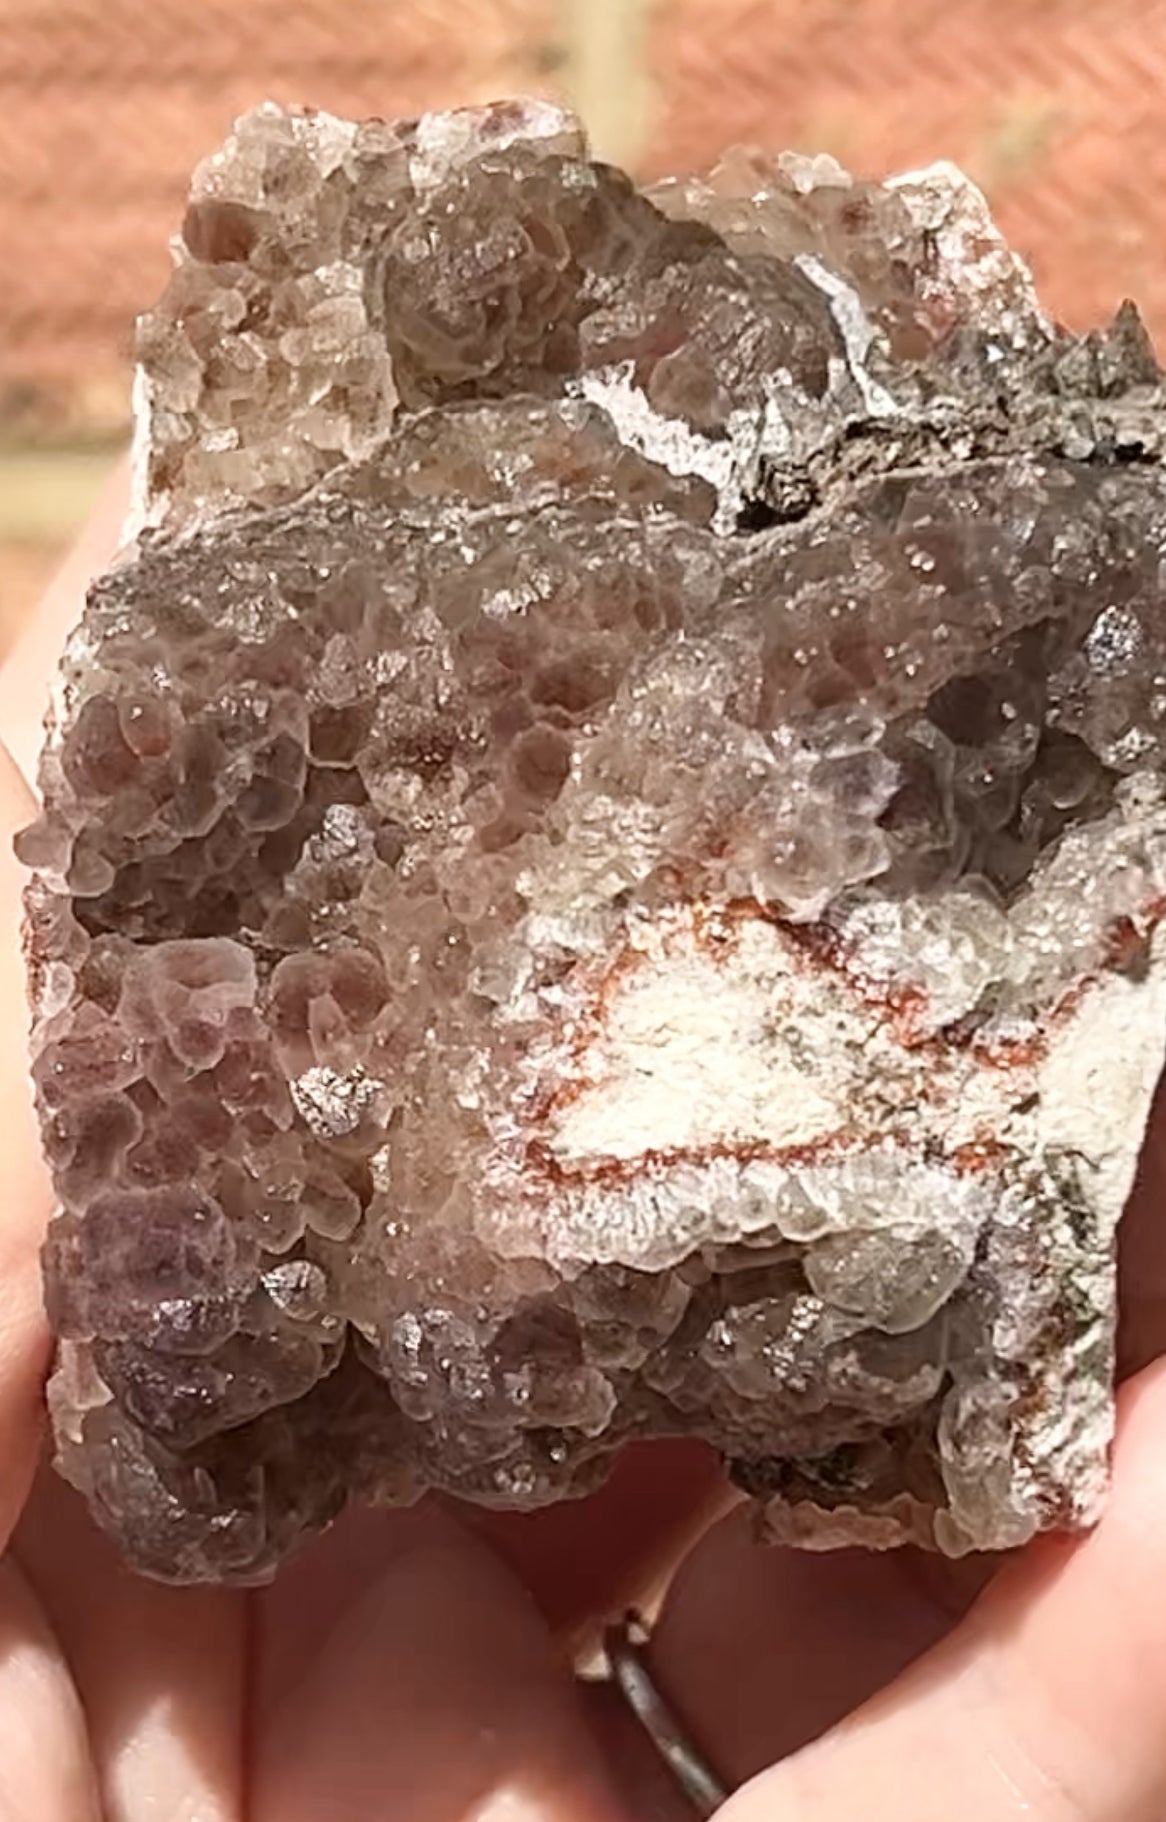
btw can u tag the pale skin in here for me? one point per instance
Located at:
(414, 1667)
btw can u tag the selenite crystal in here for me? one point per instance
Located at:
(602, 853)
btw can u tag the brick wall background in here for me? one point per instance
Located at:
(1057, 107)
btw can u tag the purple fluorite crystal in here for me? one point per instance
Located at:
(602, 853)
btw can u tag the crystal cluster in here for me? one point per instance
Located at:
(602, 853)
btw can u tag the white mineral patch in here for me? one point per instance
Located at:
(448, 139)
(855, 329)
(671, 442)
(698, 1050)
(1099, 1075)
(971, 254)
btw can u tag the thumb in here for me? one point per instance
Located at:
(1048, 1702)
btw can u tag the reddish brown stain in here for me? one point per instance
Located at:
(979, 1155)
(611, 1171)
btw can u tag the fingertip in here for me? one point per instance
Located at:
(1141, 1332)
(25, 1207)
(438, 1693)
(26, 674)
(45, 1768)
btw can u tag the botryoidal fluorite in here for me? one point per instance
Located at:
(602, 853)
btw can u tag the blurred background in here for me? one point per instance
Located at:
(1056, 107)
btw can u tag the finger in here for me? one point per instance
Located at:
(45, 1770)
(29, 667)
(649, 1787)
(23, 1338)
(435, 1693)
(763, 1649)
(295, 1618)
(159, 1671)
(1049, 1701)
(1141, 1335)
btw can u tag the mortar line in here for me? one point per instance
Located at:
(607, 73)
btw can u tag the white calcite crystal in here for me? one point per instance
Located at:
(603, 853)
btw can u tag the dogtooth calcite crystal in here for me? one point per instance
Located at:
(602, 853)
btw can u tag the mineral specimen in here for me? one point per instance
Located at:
(603, 853)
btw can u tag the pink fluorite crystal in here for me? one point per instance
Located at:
(602, 853)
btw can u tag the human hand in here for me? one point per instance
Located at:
(414, 1666)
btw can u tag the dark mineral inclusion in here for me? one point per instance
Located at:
(602, 853)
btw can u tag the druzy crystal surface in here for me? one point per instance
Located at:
(602, 853)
